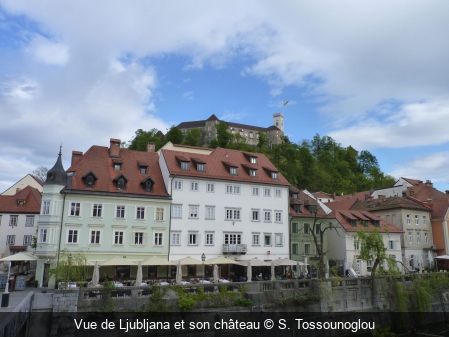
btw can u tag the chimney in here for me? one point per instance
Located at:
(429, 183)
(151, 147)
(76, 155)
(334, 195)
(114, 148)
(412, 192)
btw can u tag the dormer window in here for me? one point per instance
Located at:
(118, 167)
(252, 173)
(253, 160)
(121, 181)
(89, 179)
(274, 175)
(297, 208)
(184, 166)
(143, 170)
(201, 167)
(295, 195)
(147, 184)
(312, 209)
(365, 223)
(376, 223)
(353, 223)
(233, 170)
(20, 202)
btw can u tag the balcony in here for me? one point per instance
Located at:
(234, 249)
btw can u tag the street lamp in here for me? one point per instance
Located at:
(203, 258)
(69, 265)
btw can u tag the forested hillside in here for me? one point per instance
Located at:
(319, 164)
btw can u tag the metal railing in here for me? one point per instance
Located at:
(235, 249)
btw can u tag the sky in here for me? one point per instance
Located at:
(371, 74)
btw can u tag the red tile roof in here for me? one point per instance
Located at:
(391, 203)
(217, 163)
(414, 182)
(343, 216)
(32, 197)
(97, 160)
(305, 201)
(348, 200)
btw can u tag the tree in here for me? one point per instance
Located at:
(193, 137)
(223, 135)
(71, 266)
(174, 135)
(40, 173)
(263, 141)
(142, 138)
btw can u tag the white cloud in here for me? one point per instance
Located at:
(233, 116)
(188, 95)
(49, 52)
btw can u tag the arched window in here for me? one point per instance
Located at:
(120, 183)
(148, 186)
(90, 181)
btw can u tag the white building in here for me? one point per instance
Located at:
(228, 203)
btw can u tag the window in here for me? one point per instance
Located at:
(353, 223)
(318, 229)
(210, 187)
(29, 221)
(418, 238)
(307, 250)
(294, 227)
(193, 239)
(138, 238)
(416, 220)
(46, 207)
(233, 170)
(356, 245)
(120, 212)
(89, 181)
(143, 170)
(117, 167)
(184, 165)
(158, 239)
(256, 191)
(121, 183)
(43, 235)
(295, 248)
(278, 216)
(177, 185)
(140, 214)
(253, 173)
(369, 263)
(194, 186)
(297, 208)
(277, 193)
(410, 237)
(193, 212)
(253, 160)
(426, 237)
(210, 212)
(176, 211)
(148, 184)
(267, 216)
(27, 240)
(232, 214)
(255, 215)
(391, 244)
(266, 192)
(274, 175)
(75, 209)
(278, 240)
(13, 219)
(97, 210)
(376, 223)
(267, 240)
(408, 219)
(176, 239)
(256, 241)
(10, 239)
(295, 195)
(209, 239)
(232, 239)
(94, 237)
(306, 228)
(159, 214)
(118, 238)
(72, 236)
(424, 220)
(233, 189)
(201, 167)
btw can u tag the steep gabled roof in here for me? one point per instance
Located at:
(344, 217)
(414, 182)
(305, 201)
(348, 200)
(32, 197)
(390, 203)
(217, 164)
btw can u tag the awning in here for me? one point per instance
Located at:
(21, 248)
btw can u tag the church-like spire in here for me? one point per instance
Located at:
(57, 175)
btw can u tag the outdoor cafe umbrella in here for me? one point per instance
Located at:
(22, 256)
(215, 273)
(220, 260)
(188, 261)
(255, 263)
(249, 272)
(157, 261)
(96, 275)
(117, 261)
(139, 274)
(179, 273)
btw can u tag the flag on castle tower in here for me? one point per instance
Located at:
(285, 103)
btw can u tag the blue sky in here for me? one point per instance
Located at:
(371, 75)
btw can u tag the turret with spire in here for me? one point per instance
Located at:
(57, 175)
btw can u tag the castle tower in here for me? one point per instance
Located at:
(278, 120)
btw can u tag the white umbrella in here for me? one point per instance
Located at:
(305, 265)
(255, 263)
(139, 274)
(189, 261)
(22, 256)
(272, 271)
(215, 273)
(249, 272)
(117, 261)
(96, 275)
(179, 273)
(220, 260)
(157, 261)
